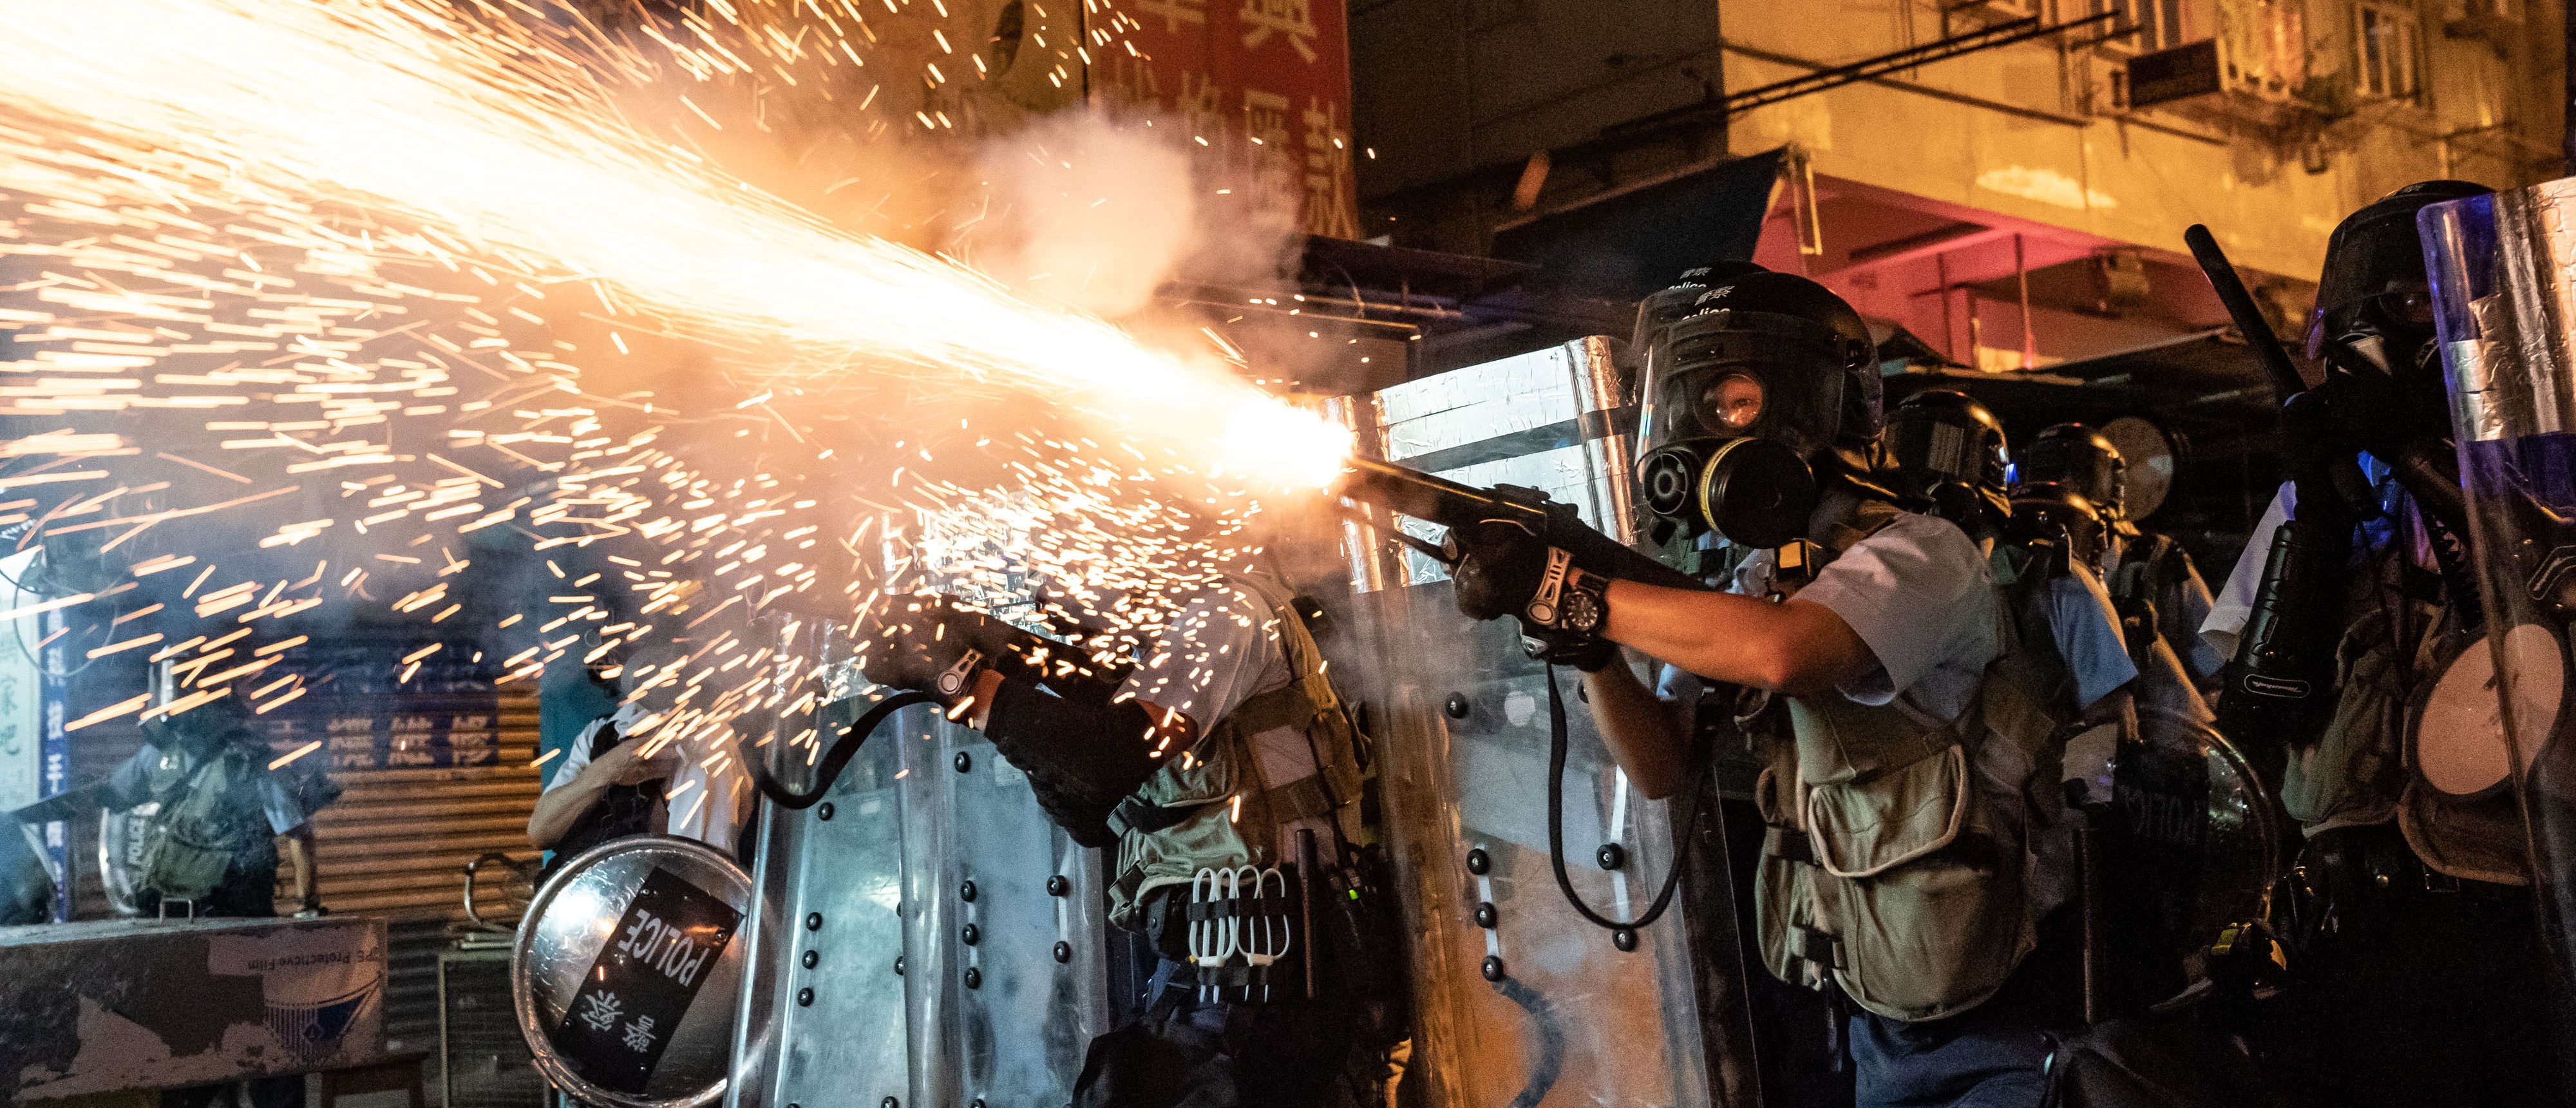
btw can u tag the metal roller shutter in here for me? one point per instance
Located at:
(434, 772)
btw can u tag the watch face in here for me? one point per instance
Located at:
(1581, 612)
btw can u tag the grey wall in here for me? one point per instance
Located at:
(1454, 95)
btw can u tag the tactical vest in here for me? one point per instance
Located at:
(1212, 808)
(2363, 770)
(1901, 853)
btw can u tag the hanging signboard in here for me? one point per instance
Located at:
(1262, 89)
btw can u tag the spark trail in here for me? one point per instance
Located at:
(482, 133)
(308, 224)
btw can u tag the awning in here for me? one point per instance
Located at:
(1624, 245)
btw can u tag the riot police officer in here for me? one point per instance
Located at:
(1220, 770)
(2152, 580)
(1875, 629)
(2418, 958)
(1946, 456)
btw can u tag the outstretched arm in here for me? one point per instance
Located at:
(1796, 648)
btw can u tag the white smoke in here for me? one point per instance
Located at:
(1096, 213)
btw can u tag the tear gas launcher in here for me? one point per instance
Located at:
(1453, 505)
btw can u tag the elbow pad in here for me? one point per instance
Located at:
(1082, 755)
(2281, 687)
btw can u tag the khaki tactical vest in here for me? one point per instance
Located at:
(2362, 770)
(1902, 852)
(210, 824)
(1213, 807)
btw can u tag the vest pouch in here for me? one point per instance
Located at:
(1205, 782)
(1922, 889)
(2352, 775)
(1794, 946)
(181, 869)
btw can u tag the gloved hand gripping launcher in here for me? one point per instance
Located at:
(1454, 505)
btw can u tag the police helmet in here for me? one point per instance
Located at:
(2082, 459)
(2374, 271)
(1945, 454)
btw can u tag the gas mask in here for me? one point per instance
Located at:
(1946, 456)
(2373, 322)
(1741, 398)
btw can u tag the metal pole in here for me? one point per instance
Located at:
(763, 822)
(2029, 336)
(1941, 273)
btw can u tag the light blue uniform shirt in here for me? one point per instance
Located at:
(1920, 596)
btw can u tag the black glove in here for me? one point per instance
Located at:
(926, 643)
(1082, 757)
(1087, 821)
(1504, 570)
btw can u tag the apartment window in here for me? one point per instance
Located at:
(2501, 11)
(2158, 23)
(2385, 41)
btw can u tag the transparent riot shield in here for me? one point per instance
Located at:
(831, 879)
(936, 940)
(1006, 930)
(1519, 1000)
(2504, 285)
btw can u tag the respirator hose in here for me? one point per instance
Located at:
(843, 749)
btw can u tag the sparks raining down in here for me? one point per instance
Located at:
(389, 104)
(300, 226)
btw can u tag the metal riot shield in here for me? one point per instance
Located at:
(1518, 999)
(626, 969)
(831, 891)
(2504, 289)
(1005, 930)
(939, 941)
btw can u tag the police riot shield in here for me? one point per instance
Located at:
(626, 970)
(938, 940)
(1006, 927)
(1518, 999)
(831, 886)
(2504, 289)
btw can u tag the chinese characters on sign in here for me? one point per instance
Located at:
(1262, 87)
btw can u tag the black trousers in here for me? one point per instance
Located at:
(1190, 1052)
(2425, 993)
